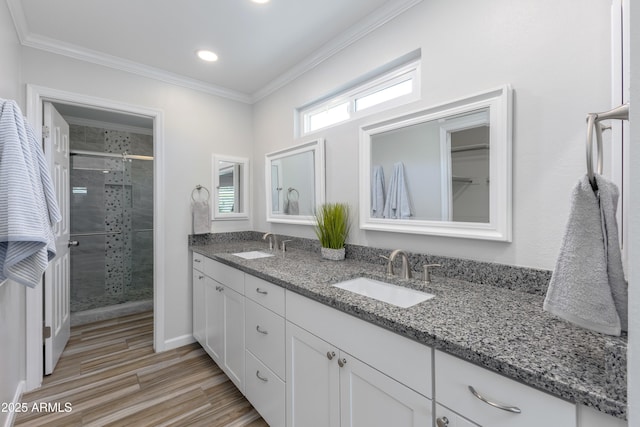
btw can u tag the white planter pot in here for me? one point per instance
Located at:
(332, 254)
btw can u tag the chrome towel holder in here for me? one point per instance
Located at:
(199, 188)
(593, 122)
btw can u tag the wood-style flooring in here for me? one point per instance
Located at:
(109, 375)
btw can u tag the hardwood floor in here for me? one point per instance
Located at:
(109, 375)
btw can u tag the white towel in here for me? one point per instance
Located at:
(201, 215)
(398, 204)
(587, 286)
(377, 192)
(28, 207)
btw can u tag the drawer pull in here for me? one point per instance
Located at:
(260, 291)
(263, 379)
(200, 277)
(260, 330)
(342, 362)
(442, 422)
(513, 409)
(196, 260)
(219, 288)
(331, 355)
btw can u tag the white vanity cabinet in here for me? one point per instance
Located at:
(223, 300)
(342, 371)
(199, 319)
(265, 349)
(447, 418)
(498, 401)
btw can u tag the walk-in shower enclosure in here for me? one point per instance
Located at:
(111, 217)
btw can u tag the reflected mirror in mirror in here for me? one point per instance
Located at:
(295, 183)
(445, 170)
(231, 187)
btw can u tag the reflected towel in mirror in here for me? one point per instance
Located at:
(377, 192)
(398, 203)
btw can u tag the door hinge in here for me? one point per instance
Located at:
(46, 132)
(46, 332)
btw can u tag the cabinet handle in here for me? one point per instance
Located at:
(219, 288)
(260, 291)
(263, 379)
(260, 330)
(342, 362)
(513, 409)
(331, 355)
(196, 260)
(200, 277)
(442, 422)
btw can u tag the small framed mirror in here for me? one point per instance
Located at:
(295, 183)
(230, 187)
(443, 171)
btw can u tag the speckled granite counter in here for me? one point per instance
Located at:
(498, 328)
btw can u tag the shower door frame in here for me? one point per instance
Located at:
(36, 95)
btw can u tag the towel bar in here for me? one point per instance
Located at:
(593, 123)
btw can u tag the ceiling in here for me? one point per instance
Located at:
(261, 47)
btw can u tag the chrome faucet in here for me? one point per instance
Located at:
(406, 270)
(273, 240)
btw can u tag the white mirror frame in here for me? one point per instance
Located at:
(244, 192)
(317, 147)
(499, 227)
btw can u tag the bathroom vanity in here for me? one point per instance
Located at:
(306, 353)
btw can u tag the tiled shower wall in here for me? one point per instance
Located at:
(116, 264)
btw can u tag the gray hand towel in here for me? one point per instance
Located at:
(587, 284)
(201, 217)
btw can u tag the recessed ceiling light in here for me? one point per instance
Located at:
(207, 55)
(260, 1)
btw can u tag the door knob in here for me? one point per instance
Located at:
(442, 422)
(73, 243)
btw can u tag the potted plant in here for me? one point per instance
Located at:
(332, 228)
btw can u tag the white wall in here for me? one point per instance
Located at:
(195, 126)
(556, 55)
(12, 295)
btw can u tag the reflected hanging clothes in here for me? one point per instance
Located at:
(377, 192)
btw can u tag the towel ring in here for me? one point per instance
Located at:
(293, 190)
(593, 122)
(198, 189)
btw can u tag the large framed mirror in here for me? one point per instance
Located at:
(230, 187)
(444, 170)
(295, 183)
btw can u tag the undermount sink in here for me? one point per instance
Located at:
(253, 254)
(385, 292)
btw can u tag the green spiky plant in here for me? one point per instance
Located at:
(332, 225)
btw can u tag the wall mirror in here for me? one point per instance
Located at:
(295, 183)
(444, 171)
(230, 187)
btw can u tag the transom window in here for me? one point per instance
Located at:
(387, 89)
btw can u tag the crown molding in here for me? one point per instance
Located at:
(370, 23)
(367, 25)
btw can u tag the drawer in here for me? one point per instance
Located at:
(265, 336)
(265, 391)
(454, 376)
(198, 261)
(265, 293)
(225, 275)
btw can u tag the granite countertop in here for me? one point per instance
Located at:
(500, 329)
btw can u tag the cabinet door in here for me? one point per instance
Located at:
(214, 317)
(368, 398)
(313, 394)
(234, 336)
(199, 317)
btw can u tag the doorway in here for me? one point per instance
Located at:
(36, 96)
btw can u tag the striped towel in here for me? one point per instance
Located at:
(28, 207)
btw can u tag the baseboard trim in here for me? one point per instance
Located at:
(178, 342)
(16, 400)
